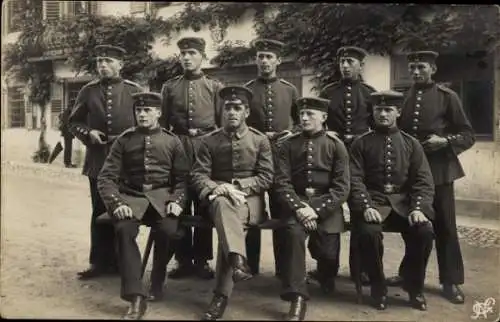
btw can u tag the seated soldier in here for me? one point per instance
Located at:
(391, 187)
(234, 168)
(143, 179)
(312, 182)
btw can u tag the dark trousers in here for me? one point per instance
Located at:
(449, 255)
(197, 246)
(102, 237)
(253, 240)
(324, 247)
(418, 239)
(129, 255)
(68, 149)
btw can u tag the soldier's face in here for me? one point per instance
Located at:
(147, 117)
(234, 115)
(350, 67)
(108, 67)
(421, 72)
(267, 62)
(312, 120)
(385, 116)
(191, 59)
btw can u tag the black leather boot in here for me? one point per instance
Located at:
(216, 308)
(241, 270)
(298, 308)
(417, 301)
(137, 308)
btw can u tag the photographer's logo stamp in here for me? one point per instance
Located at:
(481, 309)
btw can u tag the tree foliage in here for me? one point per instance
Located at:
(314, 31)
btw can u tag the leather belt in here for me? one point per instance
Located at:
(313, 192)
(193, 132)
(147, 187)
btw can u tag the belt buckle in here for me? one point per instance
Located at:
(389, 188)
(310, 192)
(147, 187)
(193, 132)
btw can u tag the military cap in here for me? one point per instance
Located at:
(271, 45)
(351, 51)
(110, 51)
(387, 98)
(192, 43)
(422, 56)
(149, 99)
(313, 103)
(236, 95)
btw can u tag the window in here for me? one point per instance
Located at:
(52, 10)
(16, 111)
(11, 15)
(80, 8)
(477, 100)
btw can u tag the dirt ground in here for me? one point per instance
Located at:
(45, 238)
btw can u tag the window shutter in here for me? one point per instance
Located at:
(52, 10)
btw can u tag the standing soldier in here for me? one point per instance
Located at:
(312, 182)
(143, 180)
(191, 109)
(103, 109)
(433, 114)
(391, 187)
(233, 170)
(349, 113)
(273, 112)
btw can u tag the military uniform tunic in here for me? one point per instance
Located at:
(389, 171)
(245, 159)
(191, 102)
(435, 109)
(106, 106)
(349, 113)
(144, 167)
(273, 107)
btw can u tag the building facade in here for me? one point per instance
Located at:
(475, 76)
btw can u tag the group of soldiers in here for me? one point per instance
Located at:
(215, 151)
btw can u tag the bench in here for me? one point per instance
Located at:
(270, 224)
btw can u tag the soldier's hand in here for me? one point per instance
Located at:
(222, 189)
(97, 137)
(434, 142)
(306, 213)
(173, 208)
(238, 197)
(123, 212)
(372, 215)
(310, 225)
(417, 217)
